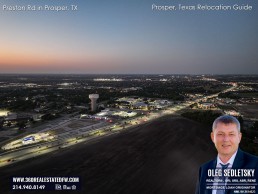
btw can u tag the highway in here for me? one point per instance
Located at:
(85, 134)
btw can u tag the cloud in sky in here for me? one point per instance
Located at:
(126, 36)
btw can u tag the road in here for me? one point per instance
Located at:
(84, 134)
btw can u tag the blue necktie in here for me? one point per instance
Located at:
(222, 191)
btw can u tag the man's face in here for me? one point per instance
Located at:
(226, 138)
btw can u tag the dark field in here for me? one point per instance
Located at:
(161, 157)
(248, 110)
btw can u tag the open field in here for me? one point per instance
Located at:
(159, 157)
(248, 110)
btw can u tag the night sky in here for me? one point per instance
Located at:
(127, 36)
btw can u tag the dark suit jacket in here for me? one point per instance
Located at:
(242, 160)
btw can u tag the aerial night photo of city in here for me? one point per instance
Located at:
(129, 97)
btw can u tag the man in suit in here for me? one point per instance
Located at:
(226, 137)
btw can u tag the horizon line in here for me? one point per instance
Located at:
(246, 74)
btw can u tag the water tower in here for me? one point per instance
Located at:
(93, 98)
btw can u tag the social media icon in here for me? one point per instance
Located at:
(58, 187)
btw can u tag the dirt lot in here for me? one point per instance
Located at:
(160, 157)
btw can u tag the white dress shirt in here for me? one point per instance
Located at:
(230, 162)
